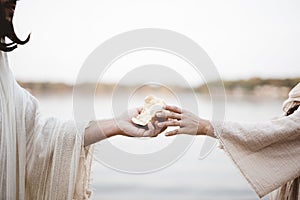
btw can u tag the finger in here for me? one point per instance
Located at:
(168, 114)
(173, 109)
(174, 132)
(156, 125)
(154, 130)
(151, 130)
(169, 123)
(158, 129)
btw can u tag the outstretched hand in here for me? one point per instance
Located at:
(122, 125)
(187, 122)
(128, 128)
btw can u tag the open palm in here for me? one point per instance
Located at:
(128, 128)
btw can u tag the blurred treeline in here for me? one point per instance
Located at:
(256, 87)
(252, 86)
(252, 83)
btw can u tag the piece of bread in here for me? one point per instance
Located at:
(152, 105)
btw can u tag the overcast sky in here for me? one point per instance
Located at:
(243, 38)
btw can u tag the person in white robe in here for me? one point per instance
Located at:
(46, 158)
(267, 153)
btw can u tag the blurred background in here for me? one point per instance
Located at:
(254, 45)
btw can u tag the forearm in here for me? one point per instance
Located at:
(99, 130)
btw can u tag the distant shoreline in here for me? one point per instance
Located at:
(257, 87)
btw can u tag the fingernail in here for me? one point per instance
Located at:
(160, 124)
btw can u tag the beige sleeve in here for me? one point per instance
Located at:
(267, 153)
(57, 164)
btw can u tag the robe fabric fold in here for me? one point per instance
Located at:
(40, 158)
(266, 153)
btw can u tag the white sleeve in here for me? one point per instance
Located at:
(57, 166)
(267, 153)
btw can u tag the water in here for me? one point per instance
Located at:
(189, 178)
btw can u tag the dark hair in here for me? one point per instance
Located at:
(7, 30)
(292, 110)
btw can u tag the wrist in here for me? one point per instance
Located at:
(99, 130)
(205, 128)
(209, 129)
(109, 128)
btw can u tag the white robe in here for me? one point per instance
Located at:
(40, 158)
(266, 153)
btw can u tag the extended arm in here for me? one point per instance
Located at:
(267, 153)
(187, 122)
(102, 129)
